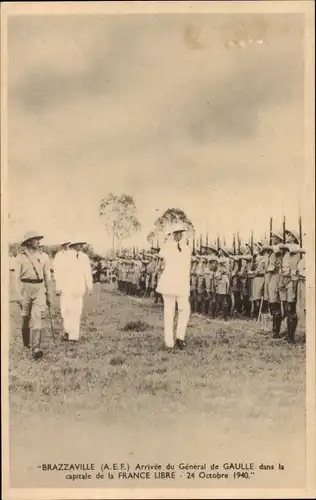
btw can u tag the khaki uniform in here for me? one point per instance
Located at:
(289, 275)
(273, 268)
(301, 290)
(288, 287)
(32, 284)
(223, 284)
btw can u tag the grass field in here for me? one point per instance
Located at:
(233, 395)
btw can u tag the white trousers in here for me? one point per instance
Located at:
(71, 309)
(169, 313)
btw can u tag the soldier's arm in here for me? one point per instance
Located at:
(17, 281)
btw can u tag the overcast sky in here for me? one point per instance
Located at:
(158, 107)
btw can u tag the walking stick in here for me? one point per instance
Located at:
(51, 324)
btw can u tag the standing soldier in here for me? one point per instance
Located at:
(246, 258)
(193, 284)
(273, 268)
(199, 271)
(235, 284)
(137, 275)
(289, 281)
(159, 270)
(129, 276)
(212, 260)
(124, 276)
(150, 277)
(33, 282)
(222, 280)
(256, 274)
(301, 288)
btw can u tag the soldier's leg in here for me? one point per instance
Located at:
(265, 315)
(213, 303)
(26, 316)
(169, 309)
(229, 304)
(277, 319)
(292, 318)
(202, 302)
(183, 317)
(38, 301)
(192, 301)
(75, 316)
(206, 303)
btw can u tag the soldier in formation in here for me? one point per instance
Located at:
(259, 281)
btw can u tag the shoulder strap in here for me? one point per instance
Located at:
(30, 260)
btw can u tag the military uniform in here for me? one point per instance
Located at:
(33, 283)
(137, 276)
(288, 284)
(210, 286)
(222, 281)
(273, 268)
(199, 271)
(301, 289)
(245, 267)
(193, 284)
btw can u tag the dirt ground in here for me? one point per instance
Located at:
(234, 395)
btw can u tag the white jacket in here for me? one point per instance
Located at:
(73, 273)
(175, 278)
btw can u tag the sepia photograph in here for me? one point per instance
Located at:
(158, 333)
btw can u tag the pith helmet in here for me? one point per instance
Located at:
(79, 242)
(30, 235)
(224, 250)
(176, 228)
(293, 233)
(278, 234)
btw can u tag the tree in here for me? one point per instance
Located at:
(169, 217)
(119, 217)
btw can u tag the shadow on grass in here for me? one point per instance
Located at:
(136, 326)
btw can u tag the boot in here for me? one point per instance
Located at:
(225, 310)
(285, 309)
(277, 328)
(206, 306)
(37, 353)
(291, 327)
(26, 331)
(213, 309)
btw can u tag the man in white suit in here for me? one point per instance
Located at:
(174, 285)
(73, 276)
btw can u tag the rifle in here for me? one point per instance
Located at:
(284, 228)
(270, 237)
(234, 244)
(300, 231)
(218, 243)
(251, 242)
(238, 242)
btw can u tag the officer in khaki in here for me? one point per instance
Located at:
(289, 281)
(33, 283)
(273, 268)
(222, 281)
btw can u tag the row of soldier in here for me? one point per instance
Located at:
(263, 280)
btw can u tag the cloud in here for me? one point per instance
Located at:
(124, 105)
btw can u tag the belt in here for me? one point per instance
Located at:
(259, 276)
(26, 280)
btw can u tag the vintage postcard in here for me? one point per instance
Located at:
(158, 253)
